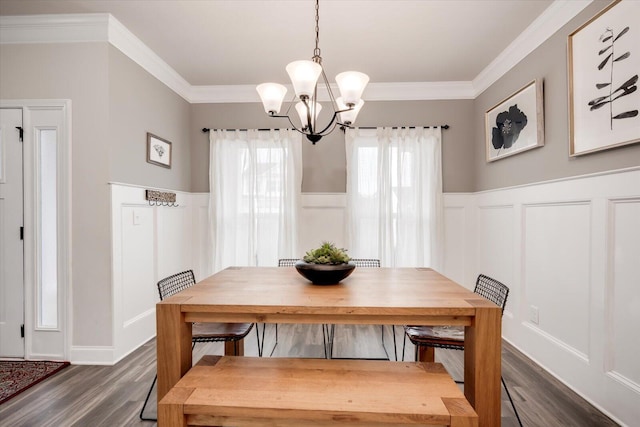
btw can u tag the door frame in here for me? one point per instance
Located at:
(35, 346)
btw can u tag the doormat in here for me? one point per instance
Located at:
(17, 376)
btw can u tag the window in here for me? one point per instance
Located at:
(255, 184)
(394, 188)
(48, 253)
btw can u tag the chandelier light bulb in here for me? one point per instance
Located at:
(351, 85)
(272, 95)
(301, 108)
(348, 117)
(304, 75)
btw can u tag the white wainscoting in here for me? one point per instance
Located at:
(202, 260)
(148, 243)
(570, 250)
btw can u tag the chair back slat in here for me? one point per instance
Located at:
(492, 290)
(175, 283)
(366, 262)
(358, 262)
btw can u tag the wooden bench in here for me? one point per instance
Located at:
(246, 391)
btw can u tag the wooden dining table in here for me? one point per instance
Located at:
(389, 296)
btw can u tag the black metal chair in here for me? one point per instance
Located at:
(362, 263)
(201, 332)
(452, 337)
(287, 262)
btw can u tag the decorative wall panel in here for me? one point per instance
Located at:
(138, 245)
(496, 251)
(454, 243)
(556, 270)
(623, 291)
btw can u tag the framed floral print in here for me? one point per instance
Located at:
(158, 151)
(515, 124)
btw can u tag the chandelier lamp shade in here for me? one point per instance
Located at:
(305, 76)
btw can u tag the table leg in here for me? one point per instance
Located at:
(234, 348)
(426, 354)
(482, 364)
(173, 346)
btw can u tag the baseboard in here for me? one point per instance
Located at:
(98, 355)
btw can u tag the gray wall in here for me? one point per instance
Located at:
(139, 103)
(114, 104)
(324, 165)
(464, 166)
(78, 72)
(552, 161)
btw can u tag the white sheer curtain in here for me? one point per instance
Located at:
(394, 195)
(255, 180)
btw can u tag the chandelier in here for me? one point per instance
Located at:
(304, 75)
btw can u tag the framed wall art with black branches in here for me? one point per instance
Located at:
(516, 124)
(604, 64)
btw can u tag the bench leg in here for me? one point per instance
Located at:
(462, 414)
(170, 408)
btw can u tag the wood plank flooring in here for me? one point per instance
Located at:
(111, 396)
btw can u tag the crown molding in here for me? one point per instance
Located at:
(410, 91)
(90, 27)
(125, 41)
(103, 27)
(558, 14)
(219, 94)
(418, 91)
(70, 28)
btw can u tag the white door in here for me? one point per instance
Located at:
(11, 243)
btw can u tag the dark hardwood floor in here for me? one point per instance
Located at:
(112, 396)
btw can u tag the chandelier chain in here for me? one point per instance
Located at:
(316, 51)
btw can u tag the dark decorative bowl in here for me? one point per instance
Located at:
(324, 274)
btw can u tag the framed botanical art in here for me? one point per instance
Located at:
(604, 63)
(158, 151)
(515, 124)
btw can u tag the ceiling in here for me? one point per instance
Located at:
(246, 42)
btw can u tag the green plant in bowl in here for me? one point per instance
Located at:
(326, 265)
(327, 253)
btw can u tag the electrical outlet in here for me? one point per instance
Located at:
(534, 314)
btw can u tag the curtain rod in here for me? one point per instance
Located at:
(445, 127)
(205, 130)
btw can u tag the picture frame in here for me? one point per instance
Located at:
(604, 61)
(159, 151)
(516, 124)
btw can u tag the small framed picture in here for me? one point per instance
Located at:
(604, 63)
(158, 151)
(515, 124)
